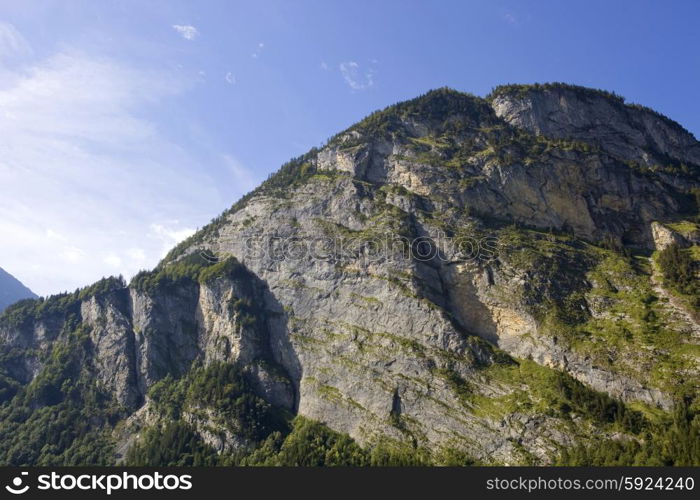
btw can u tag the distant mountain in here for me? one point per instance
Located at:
(12, 290)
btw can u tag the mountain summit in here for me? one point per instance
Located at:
(454, 279)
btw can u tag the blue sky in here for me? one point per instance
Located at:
(125, 125)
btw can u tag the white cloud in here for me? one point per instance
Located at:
(324, 66)
(242, 177)
(169, 234)
(12, 43)
(88, 181)
(510, 17)
(258, 50)
(136, 254)
(113, 260)
(53, 235)
(186, 31)
(73, 254)
(355, 77)
(230, 78)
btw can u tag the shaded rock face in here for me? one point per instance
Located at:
(342, 317)
(114, 343)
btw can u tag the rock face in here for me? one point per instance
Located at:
(12, 290)
(382, 284)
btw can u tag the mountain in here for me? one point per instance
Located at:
(12, 290)
(453, 280)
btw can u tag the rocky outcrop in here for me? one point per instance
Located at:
(664, 237)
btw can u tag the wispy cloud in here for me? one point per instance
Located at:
(356, 77)
(511, 17)
(90, 186)
(12, 43)
(243, 178)
(186, 31)
(230, 78)
(258, 50)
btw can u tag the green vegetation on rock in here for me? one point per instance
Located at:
(62, 417)
(680, 269)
